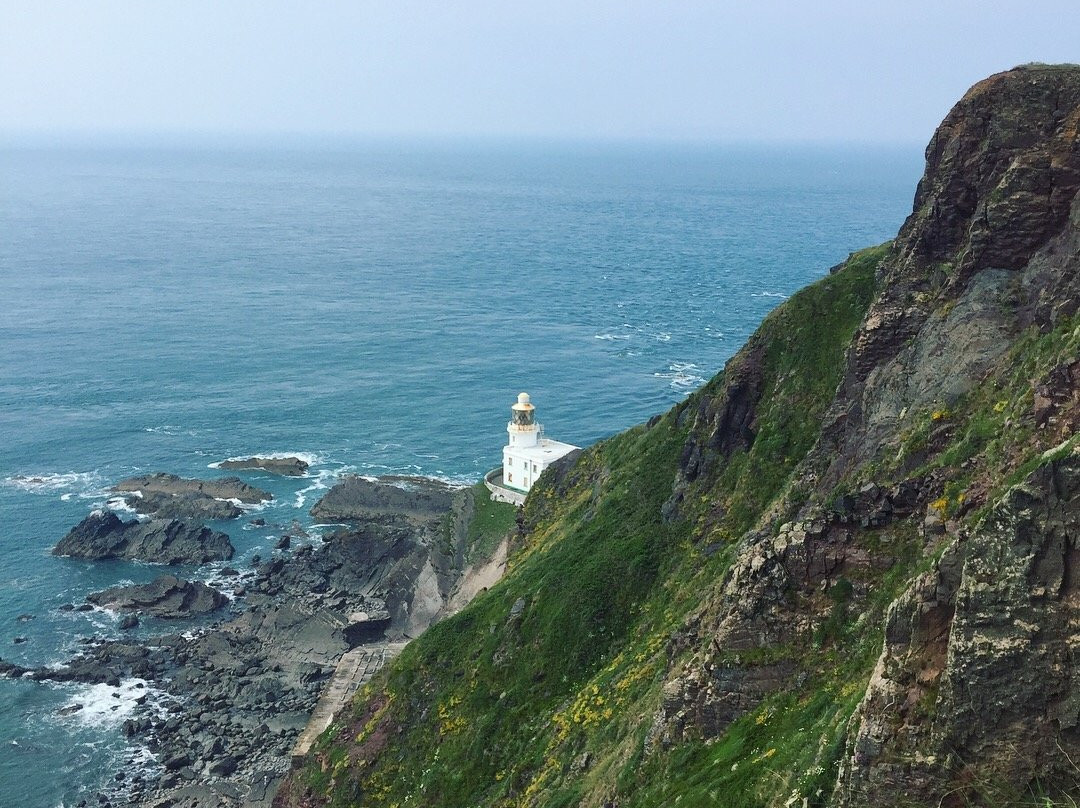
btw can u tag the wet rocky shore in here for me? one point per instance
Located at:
(219, 705)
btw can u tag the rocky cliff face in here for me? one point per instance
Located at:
(846, 574)
(985, 253)
(977, 680)
(960, 702)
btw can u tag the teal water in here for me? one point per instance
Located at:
(375, 306)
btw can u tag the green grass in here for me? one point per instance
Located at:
(804, 347)
(491, 522)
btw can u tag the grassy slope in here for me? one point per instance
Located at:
(549, 706)
(490, 523)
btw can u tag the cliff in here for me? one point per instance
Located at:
(842, 573)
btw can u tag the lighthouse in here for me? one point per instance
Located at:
(526, 454)
(523, 429)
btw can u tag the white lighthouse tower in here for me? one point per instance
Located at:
(526, 454)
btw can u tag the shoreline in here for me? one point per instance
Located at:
(224, 707)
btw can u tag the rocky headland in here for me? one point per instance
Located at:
(842, 574)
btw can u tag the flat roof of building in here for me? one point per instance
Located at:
(546, 449)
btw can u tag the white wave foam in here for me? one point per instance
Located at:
(456, 480)
(105, 705)
(119, 505)
(323, 480)
(662, 336)
(170, 430)
(316, 528)
(611, 337)
(47, 483)
(780, 295)
(681, 376)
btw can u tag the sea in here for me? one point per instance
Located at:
(373, 306)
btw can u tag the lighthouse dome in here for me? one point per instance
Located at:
(523, 398)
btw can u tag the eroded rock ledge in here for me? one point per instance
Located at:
(167, 597)
(168, 496)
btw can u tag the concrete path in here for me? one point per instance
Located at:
(354, 669)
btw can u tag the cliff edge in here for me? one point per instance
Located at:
(843, 573)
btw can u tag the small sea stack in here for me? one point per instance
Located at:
(284, 466)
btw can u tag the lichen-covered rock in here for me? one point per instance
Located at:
(978, 685)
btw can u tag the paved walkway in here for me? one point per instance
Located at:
(354, 669)
(493, 480)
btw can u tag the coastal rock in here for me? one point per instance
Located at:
(166, 596)
(396, 546)
(988, 250)
(240, 692)
(361, 499)
(977, 677)
(168, 496)
(11, 670)
(285, 466)
(103, 535)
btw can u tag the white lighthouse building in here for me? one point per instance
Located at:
(526, 454)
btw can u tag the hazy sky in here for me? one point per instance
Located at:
(865, 70)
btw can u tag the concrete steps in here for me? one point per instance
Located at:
(353, 669)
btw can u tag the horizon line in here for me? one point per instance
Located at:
(180, 137)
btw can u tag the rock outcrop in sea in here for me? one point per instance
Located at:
(168, 496)
(285, 466)
(103, 535)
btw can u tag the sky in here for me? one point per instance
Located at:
(748, 71)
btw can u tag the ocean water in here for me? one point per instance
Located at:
(375, 306)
